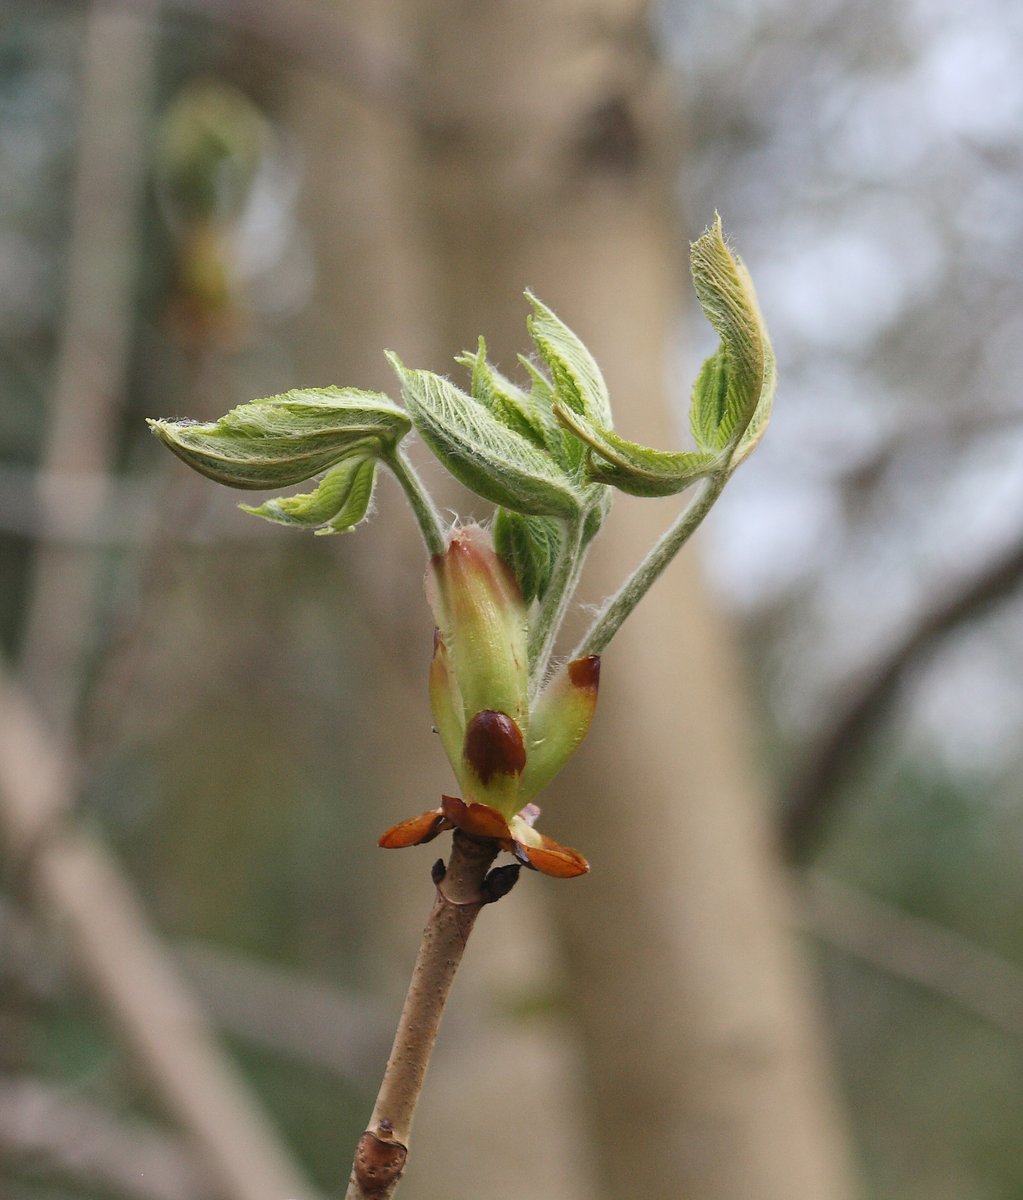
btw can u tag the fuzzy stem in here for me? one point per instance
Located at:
(383, 1148)
(638, 583)
(423, 508)
(555, 602)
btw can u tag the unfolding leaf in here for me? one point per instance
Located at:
(482, 620)
(480, 451)
(341, 500)
(636, 469)
(510, 404)
(599, 505)
(530, 546)
(735, 388)
(281, 440)
(754, 431)
(578, 382)
(566, 450)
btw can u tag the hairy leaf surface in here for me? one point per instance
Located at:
(530, 546)
(578, 382)
(341, 500)
(637, 469)
(281, 440)
(735, 387)
(510, 404)
(492, 460)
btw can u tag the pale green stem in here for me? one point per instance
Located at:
(423, 508)
(555, 602)
(638, 583)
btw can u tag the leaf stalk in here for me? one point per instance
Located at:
(423, 508)
(556, 601)
(620, 606)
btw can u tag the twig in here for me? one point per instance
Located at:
(660, 556)
(462, 890)
(810, 798)
(912, 948)
(107, 932)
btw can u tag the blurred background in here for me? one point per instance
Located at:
(796, 970)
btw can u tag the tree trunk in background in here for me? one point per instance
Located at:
(377, 270)
(547, 165)
(540, 157)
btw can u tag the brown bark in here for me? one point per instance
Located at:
(461, 894)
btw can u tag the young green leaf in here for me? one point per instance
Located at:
(529, 545)
(754, 431)
(512, 406)
(637, 469)
(489, 458)
(341, 500)
(578, 382)
(735, 387)
(567, 451)
(281, 440)
(598, 506)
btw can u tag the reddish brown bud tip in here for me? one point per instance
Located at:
(494, 746)
(562, 862)
(478, 820)
(585, 672)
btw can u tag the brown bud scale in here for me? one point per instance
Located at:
(585, 672)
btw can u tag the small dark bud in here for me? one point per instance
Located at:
(499, 882)
(494, 745)
(438, 871)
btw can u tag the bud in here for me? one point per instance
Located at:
(559, 723)
(483, 624)
(479, 693)
(493, 757)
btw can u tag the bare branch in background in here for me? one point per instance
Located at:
(133, 502)
(95, 336)
(50, 1130)
(318, 1024)
(810, 799)
(909, 947)
(107, 933)
(313, 1023)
